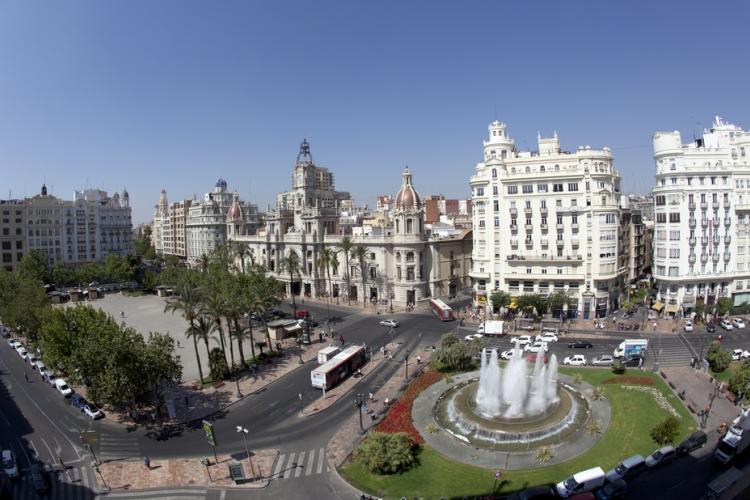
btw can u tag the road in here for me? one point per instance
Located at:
(41, 423)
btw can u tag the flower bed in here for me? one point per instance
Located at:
(629, 380)
(661, 401)
(398, 418)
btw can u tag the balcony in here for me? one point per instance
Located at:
(575, 242)
(560, 243)
(716, 222)
(715, 205)
(527, 210)
(692, 222)
(704, 222)
(513, 211)
(691, 258)
(727, 256)
(529, 228)
(560, 227)
(529, 242)
(727, 204)
(543, 210)
(716, 239)
(728, 239)
(727, 221)
(514, 242)
(514, 228)
(692, 241)
(704, 240)
(704, 258)
(525, 259)
(691, 205)
(704, 205)
(544, 227)
(574, 226)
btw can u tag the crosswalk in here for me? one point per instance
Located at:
(113, 446)
(300, 464)
(75, 483)
(164, 494)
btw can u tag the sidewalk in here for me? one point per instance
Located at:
(179, 472)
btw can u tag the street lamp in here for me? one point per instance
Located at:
(359, 400)
(245, 432)
(299, 348)
(406, 365)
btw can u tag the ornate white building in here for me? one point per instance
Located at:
(702, 217)
(547, 221)
(403, 263)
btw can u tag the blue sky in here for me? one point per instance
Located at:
(161, 94)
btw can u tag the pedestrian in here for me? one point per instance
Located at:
(370, 396)
(382, 351)
(187, 402)
(419, 360)
(122, 314)
(147, 462)
(26, 376)
(178, 344)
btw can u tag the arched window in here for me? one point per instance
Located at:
(528, 169)
(398, 256)
(513, 170)
(557, 168)
(541, 169)
(494, 173)
(410, 257)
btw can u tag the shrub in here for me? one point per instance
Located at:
(577, 378)
(740, 379)
(594, 427)
(718, 357)
(665, 432)
(543, 455)
(599, 393)
(618, 368)
(432, 428)
(218, 365)
(383, 453)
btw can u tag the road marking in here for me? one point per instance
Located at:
(288, 468)
(222, 494)
(23, 450)
(300, 464)
(51, 455)
(321, 459)
(162, 494)
(279, 465)
(310, 462)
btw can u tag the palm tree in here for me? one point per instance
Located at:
(241, 250)
(324, 263)
(346, 246)
(187, 301)
(360, 255)
(290, 263)
(202, 330)
(334, 261)
(203, 262)
(213, 306)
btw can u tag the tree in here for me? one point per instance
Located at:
(718, 357)
(202, 329)
(117, 268)
(454, 355)
(557, 302)
(499, 300)
(142, 244)
(739, 382)
(360, 255)
(213, 306)
(334, 262)
(531, 301)
(723, 306)
(241, 250)
(346, 246)
(700, 307)
(324, 264)
(187, 301)
(218, 365)
(384, 453)
(666, 431)
(203, 262)
(290, 264)
(23, 302)
(35, 265)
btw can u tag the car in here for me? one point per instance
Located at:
(536, 347)
(531, 358)
(546, 492)
(31, 358)
(693, 442)
(738, 322)
(688, 326)
(612, 490)
(605, 360)
(13, 343)
(547, 337)
(77, 401)
(47, 375)
(627, 468)
(633, 362)
(710, 327)
(521, 340)
(661, 456)
(302, 313)
(473, 336)
(739, 354)
(390, 323)
(92, 411)
(507, 354)
(38, 477)
(580, 344)
(62, 386)
(21, 350)
(39, 365)
(726, 325)
(577, 360)
(10, 467)
(311, 322)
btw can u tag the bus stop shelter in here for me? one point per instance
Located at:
(280, 329)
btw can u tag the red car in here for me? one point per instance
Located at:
(531, 358)
(303, 313)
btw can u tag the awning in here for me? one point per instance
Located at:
(658, 306)
(672, 309)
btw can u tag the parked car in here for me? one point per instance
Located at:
(62, 386)
(547, 337)
(577, 360)
(726, 325)
(507, 354)
(521, 340)
(738, 322)
(30, 358)
(581, 482)
(688, 326)
(693, 442)
(473, 336)
(92, 411)
(390, 323)
(536, 347)
(39, 365)
(13, 343)
(612, 490)
(303, 313)
(739, 354)
(10, 466)
(661, 456)
(38, 477)
(710, 327)
(580, 344)
(627, 468)
(77, 401)
(21, 350)
(47, 375)
(632, 362)
(546, 492)
(605, 360)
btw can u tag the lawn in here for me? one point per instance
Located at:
(634, 413)
(726, 374)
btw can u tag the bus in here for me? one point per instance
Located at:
(442, 310)
(338, 368)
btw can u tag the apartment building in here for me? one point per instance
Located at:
(702, 217)
(12, 233)
(547, 221)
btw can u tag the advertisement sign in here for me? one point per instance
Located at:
(481, 300)
(208, 428)
(633, 350)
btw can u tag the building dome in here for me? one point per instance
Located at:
(407, 197)
(221, 183)
(235, 211)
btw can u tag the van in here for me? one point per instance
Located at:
(627, 468)
(9, 464)
(581, 482)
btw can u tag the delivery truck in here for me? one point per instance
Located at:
(736, 440)
(630, 348)
(492, 328)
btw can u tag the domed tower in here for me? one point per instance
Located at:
(44, 189)
(235, 220)
(125, 198)
(498, 145)
(116, 199)
(409, 247)
(163, 206)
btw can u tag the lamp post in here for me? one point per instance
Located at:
(406, 365)
(299, 348)
(245, 432)
(359, 400)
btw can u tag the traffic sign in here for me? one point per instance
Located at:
(208, 428)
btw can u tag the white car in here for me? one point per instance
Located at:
(92, 411)
(726, 325)
(738, 323)
(521, 340)
(62, 386)
(10, 467)
(536, 347)
(31, 358)
(390, 323)
(547, 337)
(21, 350)
(473, 336)
(507, 354)
(13, 343)
(577, 360)
(688, 326)
(606, 360)
(739, 354)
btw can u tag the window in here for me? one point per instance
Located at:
(528, 204)
(588, 186)
(713, 181)
(661, 200)
(541, 169)
(528, 221)
(528, 188)
(544, 203)
(541, 188)
(481, 223)
(497, 221)
(528, 271)
(496, 205)
(661, 217)
(674, 253)
(494, 190)
(661, 252)
(674, 235)
(559, 219)
(494, 172)
(572, 186)
(480, 191)
(557, 188)
(674, 217)
(512, 189)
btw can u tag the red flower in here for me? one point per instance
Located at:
(398, 418)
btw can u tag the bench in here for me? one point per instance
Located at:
(218, 385)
